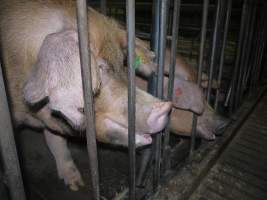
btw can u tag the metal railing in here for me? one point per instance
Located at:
(249, 54)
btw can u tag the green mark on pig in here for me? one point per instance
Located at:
(137, 62)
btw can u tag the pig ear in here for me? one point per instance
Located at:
(187, 95)
(58, 66)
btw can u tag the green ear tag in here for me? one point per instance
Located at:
(137, 62)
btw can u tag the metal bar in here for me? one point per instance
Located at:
(175, 31)
(103, 6)
(155, 28)
(200, 67)
(85, 58)
(248, 52)
(162, 46)
(8, 149)
(130, 10)
(226, 26)
(243, 55)
(214, 48)
(238, 55)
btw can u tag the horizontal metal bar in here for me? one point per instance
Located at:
(130, 10)
(85, 58)
(8, 149)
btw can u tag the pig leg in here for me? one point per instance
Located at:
(66, 168)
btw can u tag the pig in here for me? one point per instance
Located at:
(42, 68)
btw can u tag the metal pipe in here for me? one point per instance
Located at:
(238, 54)
(200, 67)
(103, 6)
(175, 31)
(226, 26)
(162, 46)
(8, 149)
(155, 28)
(243, 55)
(248, 51)
(85, 58)
(214, 48)
(130, 10)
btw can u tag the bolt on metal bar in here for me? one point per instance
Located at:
(130, 10)
(162, 46)
(238, 55)
(8, 149)
(175, 31)
(226, 26)
(200, 67)
(103, 6)
(214, 48)
(85, 58)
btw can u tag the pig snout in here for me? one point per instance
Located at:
(158, 117)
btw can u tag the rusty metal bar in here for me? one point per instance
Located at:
(85, 58)
(12, 173)
(200, 67)
(130, 10)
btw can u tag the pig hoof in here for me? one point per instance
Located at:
(71, 176)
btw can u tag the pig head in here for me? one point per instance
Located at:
(57, 78)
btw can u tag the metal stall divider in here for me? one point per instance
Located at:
(130, 10)
(12, 174)
(85, 57)
(244, 53)
(214, 48)
(261, 46)
(232, 89)
(175, 31)
(164, 5)
(200, 67)
(226, 26)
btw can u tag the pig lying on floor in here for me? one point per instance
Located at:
(42, 68)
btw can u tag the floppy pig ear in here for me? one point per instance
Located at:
(187, 95)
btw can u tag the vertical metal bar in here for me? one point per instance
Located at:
(214, 48)
(162, 46)
(238, 54)
(243, 55)
(8, 149)
(103, 6)
(131, 95)
(84, 45)
(155, 28)
(248, 52)
(226, 26)
(200, 67)
(175, 30)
